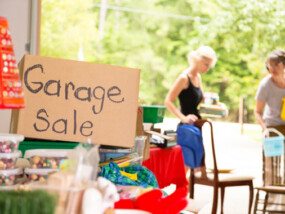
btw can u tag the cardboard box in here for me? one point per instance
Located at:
(147, 129)
(139, 128)
(77, 101)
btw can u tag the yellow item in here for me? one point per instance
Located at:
(283, 109)
(64, 164)
(124, 164)
(121, 163)
(134, 176)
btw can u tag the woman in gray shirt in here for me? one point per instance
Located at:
(270, 93)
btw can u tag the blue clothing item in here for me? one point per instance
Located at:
(189, 137)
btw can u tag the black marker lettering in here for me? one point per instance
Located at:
(101, 98)
(49, 84)
(115, 91)
(36, 90)
(87, 93)
(88, 125)
(64, 122)
(74, 122)
(66, 89)
(43, 119)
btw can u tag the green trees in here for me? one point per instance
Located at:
(156, 35)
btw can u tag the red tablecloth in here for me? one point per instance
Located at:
(168, 166)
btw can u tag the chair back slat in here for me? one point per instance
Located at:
(199, 123)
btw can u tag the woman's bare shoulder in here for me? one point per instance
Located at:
(182, 80)
(184, 75)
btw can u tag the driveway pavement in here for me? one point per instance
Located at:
(234, 151)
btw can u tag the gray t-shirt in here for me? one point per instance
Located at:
(272, 95)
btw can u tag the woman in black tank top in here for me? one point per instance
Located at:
(190, 98)
(188, 86)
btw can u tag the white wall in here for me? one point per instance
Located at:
(17, 13)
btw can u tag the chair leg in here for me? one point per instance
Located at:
(222, 198)
(250, 197)
(256, 202)
(265, 202)
(215, 199)
(191, 184)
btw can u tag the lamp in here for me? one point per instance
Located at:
(11, 92)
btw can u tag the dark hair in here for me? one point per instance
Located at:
(277, 56)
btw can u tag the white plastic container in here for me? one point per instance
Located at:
(139, 146)
(10, 142)
(38, 174)
(46, 158)
(8, 160)
(8, 177)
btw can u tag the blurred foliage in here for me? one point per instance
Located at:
(242, 32)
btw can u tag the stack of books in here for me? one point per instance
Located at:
(122, 156)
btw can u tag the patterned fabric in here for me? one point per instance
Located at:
(145, 177)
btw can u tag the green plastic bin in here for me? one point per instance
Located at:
(31, 144)
(153, 113)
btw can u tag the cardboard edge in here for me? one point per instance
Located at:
(14, 121)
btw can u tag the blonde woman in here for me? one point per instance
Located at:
(188, 86)
(188, 89)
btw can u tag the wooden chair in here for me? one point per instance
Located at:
(269, 190)
(273, 184)
(215, 178)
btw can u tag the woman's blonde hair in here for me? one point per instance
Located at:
(203, 52)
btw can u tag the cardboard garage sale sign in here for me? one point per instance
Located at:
(75, 101)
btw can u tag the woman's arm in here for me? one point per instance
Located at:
(180, 83)
(258, 112)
